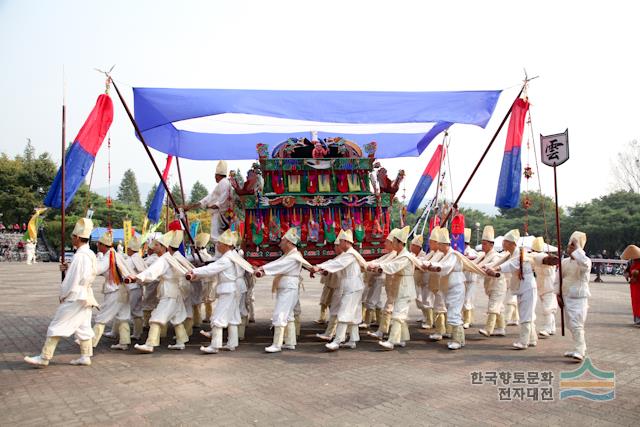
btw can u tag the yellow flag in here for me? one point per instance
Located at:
(126, 225)
(32, 228)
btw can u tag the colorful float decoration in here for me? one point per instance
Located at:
(319, 187)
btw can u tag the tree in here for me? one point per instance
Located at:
(198, 192)
(128, 192)
(150, 196)
(177, 194)
(626, 168)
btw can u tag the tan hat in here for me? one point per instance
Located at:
(292, 235)
(134, 244)
(202, 239)
(227, 238)
(442, 236)
(467, 235)
(580, 238)
(392, 234)
(488, 233)
(221, 168)
(538, 244)
(347, 236)
(512, 235)
(83, 228)
(631, 252)
(403, 234)
(434, 233)
(418, 240)
(106, 238)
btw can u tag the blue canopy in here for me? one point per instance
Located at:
(118, 234)
(163, 114)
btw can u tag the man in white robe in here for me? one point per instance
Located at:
(437, 285)
(383, 308)
(286, 283)
(115, 305)
(400, 271)
(349, 264)
(136, 265)
(421, 279)
(575, 293)
(30, 249)
(470, 281)
(523, 284)
(545, 279)
(494, 287)
(226, 270)
(150, 290)
(196, 297)
(73, 316)
(217, 202)
(170, 274)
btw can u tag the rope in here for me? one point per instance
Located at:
(535, 154)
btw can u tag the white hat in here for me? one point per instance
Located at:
(83, 228)
(512, 235)
(537, 244)
(227, 238)
(165, 240)
(580, 238)
(418, 240)
(347, 236)
(106, 238)
(442, 235)
(488, 233)
(292, 235)
(202, 239)
(172, 239)
(467, 235)
(221, 168)
(403, 234)
(392, 234)
(134, 244)
(434, 233)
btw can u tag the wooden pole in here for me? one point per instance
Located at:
(155, 165)
(184, 201)
(555, 187)
(62, 178)
(475, 169)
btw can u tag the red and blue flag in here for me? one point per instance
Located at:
(428, 176)
(508, 194)
(155, 208)
(82, 153)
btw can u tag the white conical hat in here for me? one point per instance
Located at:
(443, 235)
(347, 236)
(221, 168)
(227, 238)
(292, 235)
(418, 240)
(83, 228)
(512, 235)
(134, 244)
(392, 234)
(202, 239)
(166, 238)
(488, 233)
(434, 233)
(538, 244)
(403, 234)
(467, 235)
(106, 238)
(580, 238)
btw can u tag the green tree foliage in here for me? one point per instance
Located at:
(150, 195)
(24, 181)
(177, 194)
(198, 192)
(128, 192)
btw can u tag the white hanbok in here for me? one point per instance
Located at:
(286, 283)
(349, 267)
(219, 197)
(116, 298)
(545, 279)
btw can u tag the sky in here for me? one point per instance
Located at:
(585, 55)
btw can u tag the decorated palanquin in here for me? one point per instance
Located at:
(318, 187)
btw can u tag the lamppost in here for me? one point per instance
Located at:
(477, 233)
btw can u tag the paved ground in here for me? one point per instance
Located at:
(422, 384)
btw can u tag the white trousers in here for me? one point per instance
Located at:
(401, 308)
(111, 309)
(71, 317)
(576, 309)
(226, 311)
(549, 304)
(469, 294)
(373, 297)
(169, 310)
(527, 305)
(286, 300)
(351, 308)
(439, 302)
(455, 301)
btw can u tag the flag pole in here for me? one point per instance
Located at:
(155, 165)
(184, 201)
(63, 172)
(555, 187)
(475, 169)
